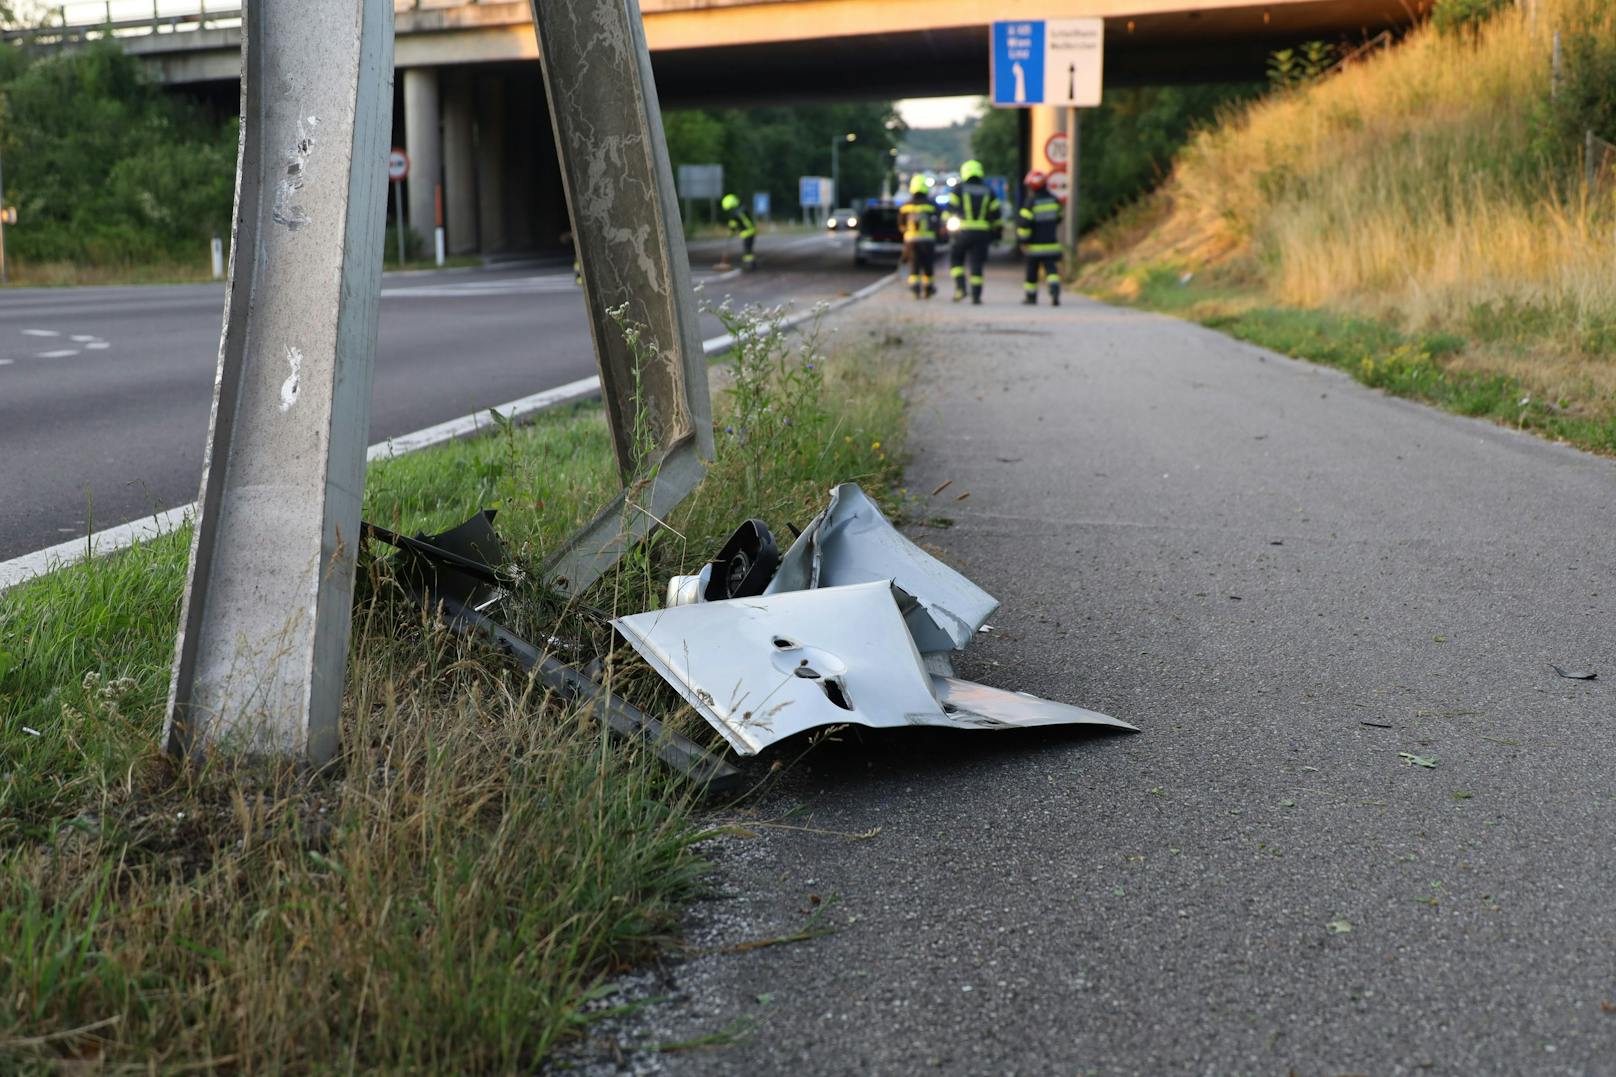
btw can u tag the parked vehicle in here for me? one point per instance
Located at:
(844, 219)
(880, 239)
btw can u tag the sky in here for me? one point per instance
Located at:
(937, 111)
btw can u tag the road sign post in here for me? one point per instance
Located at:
(1069, 225)
(398, 170)
(263, 637)
(625, 221)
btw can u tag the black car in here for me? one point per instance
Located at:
(880, 239)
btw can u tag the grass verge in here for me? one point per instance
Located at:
(1426, 218)
(449, 894)
(1437, 367)
(79, 275)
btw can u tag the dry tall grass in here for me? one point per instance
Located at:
(1406, 187)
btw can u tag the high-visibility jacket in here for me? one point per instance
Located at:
(918, 217)
(740, 223)
(976, 206)
(1039, 230)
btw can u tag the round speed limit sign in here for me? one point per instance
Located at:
(1056, 150)
(1060, 183)
(398, 165)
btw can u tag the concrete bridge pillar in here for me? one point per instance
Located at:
(491, 165)
(459, 162)
(423, 142)
(1046, 120)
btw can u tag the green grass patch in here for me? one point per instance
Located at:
(1375, 352)
(451, 892)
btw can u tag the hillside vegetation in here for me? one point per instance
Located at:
(1435, 188)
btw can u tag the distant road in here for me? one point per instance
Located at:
(105, 392)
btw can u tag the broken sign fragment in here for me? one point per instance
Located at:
(997, 707)
(858, 625)
(852, 542)
(763, 669)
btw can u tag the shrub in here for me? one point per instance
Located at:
(1464, 16)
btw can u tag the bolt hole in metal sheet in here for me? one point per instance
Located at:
(856, 625)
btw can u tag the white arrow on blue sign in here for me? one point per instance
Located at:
(1018, 63)
(1047, 62)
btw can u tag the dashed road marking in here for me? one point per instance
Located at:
(40, 333)
(59, 353)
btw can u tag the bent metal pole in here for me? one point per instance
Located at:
(264, 626)
(631, 247)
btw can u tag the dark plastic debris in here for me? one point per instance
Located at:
(746, 564)
(1571, 675)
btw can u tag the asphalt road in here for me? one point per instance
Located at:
(1287, 581)
(105, 392)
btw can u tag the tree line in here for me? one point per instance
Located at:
(106, 169)
(768, 149)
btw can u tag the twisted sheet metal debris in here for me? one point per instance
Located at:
(858, 625)
(460, 572)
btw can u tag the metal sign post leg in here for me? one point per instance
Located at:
(264, 627)
(625, 222)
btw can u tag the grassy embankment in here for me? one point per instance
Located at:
(454, 889)
(1420, 219)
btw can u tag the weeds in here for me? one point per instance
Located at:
(448, 895)
(1431, 181)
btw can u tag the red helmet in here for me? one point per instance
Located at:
(1035, 180)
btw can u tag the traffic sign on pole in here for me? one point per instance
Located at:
(1059, 183)
(1056, 150)
(398, 165)
(1047, 62)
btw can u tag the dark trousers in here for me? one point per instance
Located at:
(921, 254)
(969, 253)
(747, 260)
(1049, 265)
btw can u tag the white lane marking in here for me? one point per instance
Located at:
(29, 565)
(530, 285)
(83, 338)
(5, 362)
(97, 345)
(40, 333)
(59, 353)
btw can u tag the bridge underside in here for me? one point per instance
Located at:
(469, 104)
(1230, 44)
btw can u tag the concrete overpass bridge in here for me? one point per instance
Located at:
(469, 105)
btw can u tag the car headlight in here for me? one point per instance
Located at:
(953, 224)
(852, 222)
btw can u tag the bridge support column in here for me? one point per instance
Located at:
(1046, 121)
(459, 163)
(491, 165)
(423, 143)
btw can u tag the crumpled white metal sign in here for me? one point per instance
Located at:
(849, 630)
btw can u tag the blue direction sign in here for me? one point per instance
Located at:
(760, 203)
(1018, 63)
(808, 191)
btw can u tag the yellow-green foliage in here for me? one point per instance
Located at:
(1436, 184)
(1408, 181)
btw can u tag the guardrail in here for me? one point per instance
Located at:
(88, 20)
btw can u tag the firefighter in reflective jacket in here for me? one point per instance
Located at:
(740, 224)
(1039, 236)
(918, 217)
(975, 219)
